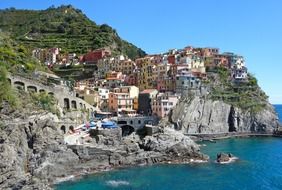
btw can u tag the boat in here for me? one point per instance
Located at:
(109, 125)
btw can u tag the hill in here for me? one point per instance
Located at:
(64, 27)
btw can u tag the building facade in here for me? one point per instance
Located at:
(163, 103)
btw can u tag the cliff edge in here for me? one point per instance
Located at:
(202, 115)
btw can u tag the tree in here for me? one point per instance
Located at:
(61, 29)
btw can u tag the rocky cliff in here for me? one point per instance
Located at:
(33, 154)
(201, 115)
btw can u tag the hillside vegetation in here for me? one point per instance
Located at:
(15, 59)
(64, 27)
(245, 95)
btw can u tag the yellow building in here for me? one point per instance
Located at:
(145, 73)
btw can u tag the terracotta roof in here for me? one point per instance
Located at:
(147, 91)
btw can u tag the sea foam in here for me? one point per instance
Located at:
(116, 183)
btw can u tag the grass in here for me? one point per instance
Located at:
(245, 95)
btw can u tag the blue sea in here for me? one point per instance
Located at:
(259, 167)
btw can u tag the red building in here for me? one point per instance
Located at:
(93, 56)
(171, 59)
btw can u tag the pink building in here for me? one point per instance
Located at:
(163, 103)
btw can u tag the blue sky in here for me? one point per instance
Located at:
(252, 28)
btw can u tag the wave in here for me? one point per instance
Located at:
(233, 159)
(116, 183)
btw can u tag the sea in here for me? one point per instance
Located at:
(259, 166)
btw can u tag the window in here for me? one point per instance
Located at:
(139, 121)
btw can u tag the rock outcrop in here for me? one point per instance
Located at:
(204, 116)
(33, 154)
(224, 158)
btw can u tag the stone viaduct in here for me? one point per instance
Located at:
(66, 99)
(131, 124)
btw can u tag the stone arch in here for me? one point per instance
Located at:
(73, 104)
(66, 103)
(19, 85)
(127, 130)
(51, 93)
(80, 105)
(63, 128)
(41, 91)
(32, 89)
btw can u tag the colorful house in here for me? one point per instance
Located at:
(186, 81)
(239, 71)
(124, 98)
(93, 56)
(145, 72)
(163, 103)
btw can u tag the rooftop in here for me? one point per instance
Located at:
(148, 91)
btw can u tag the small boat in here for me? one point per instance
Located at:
(109, 125)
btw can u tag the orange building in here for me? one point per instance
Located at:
(123, 99)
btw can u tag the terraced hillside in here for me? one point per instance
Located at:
(64, 27)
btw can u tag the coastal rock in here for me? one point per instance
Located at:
(224, 157)
(33, 154)
(173, 143)
(205, 116)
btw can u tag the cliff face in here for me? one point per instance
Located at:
(33, 153)
(204, 116)
(31, 149)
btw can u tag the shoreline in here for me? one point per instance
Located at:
(77, 176)
(197, 138)
(219, 136)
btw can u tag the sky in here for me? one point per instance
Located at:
(252, 28)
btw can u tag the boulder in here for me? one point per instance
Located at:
(224, 157)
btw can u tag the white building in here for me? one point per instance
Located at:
(239, 71)
(103, 93)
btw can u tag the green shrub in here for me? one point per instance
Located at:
(45, 101)
(6, 92)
